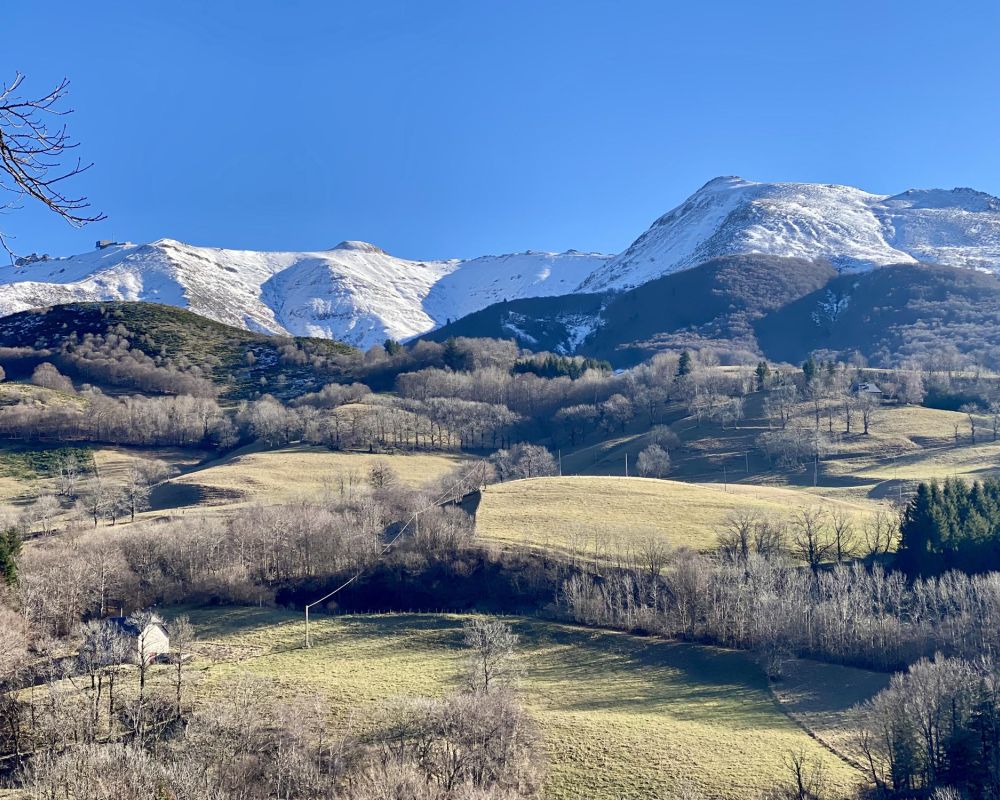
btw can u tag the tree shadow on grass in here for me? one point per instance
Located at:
(618, 672)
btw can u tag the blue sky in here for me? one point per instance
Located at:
(453, 129)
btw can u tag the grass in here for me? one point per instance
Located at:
(113, 463)
(906, 444)
(586, 514)
(253, 475)
(620, 716)
(31, 463)
(821, 697)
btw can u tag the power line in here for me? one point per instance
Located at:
(413, 518)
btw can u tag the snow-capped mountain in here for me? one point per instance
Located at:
(355, 292)
(851, 228)
(361, 295)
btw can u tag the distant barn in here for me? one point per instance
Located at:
(867, 390)
(146, 644)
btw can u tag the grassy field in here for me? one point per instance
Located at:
(821, 697)
(113, 463)
(252, 475)
(248, 475)
(592, 514)
(906, 444)
(620, 716)
(28, 471)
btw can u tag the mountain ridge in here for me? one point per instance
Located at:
(358, 293)
(354, 292)
(851, 228)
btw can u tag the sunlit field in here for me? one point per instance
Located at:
(620, 716)
(597, 515)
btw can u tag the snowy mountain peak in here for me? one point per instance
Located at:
(963, 199)
(360, 247)
(356, 292)
(851, 228)
(362, 295)
(723, 182)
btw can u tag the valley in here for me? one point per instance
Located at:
(390, 409)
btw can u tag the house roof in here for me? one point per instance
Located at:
(128, 627)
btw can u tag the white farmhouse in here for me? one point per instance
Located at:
(146, 643)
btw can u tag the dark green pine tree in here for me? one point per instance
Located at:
(983, 768)
(763, 372)
(809, 369)
(684, 365)
(10, 549)
(915, 531)
(452, 356)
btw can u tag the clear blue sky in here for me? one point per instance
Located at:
(452, 129)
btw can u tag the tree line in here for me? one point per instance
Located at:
(954, 525)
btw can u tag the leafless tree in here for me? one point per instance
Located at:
(971, 410)
(69, 477)
(96, 499)
(654, 555)
(653, 462)
(869, 408)
(844, 538)
(48, 377)
(14, 665)
(807, 779)
(494, 663)
(34, 152)
(102, 652)
(138, 485)
(736, 539)
(382, 476)
(41, 514)
(780, 402)
(747, 532)
(141, 622)
(880, 533)
(995, 419)
(810, 537)
(181, 638)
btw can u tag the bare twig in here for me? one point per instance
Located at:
(33, 153)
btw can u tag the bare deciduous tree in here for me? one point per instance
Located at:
(33, 153)
(971, 411)
(653, 462)
(181, 638)
(494, 664)
(880, 532)
(844, 538)
(810, 537)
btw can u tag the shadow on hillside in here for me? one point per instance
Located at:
(167, 496)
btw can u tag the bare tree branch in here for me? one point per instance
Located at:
(34, 153)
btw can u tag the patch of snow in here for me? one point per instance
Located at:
(511, 325)
(851, 228)
(829, 309)
(578, 328)
(358, 293)
(355, 292)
